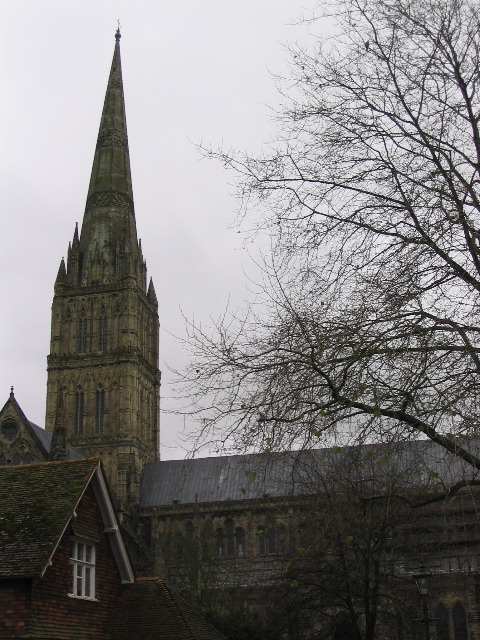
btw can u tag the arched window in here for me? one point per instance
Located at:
(459, 618)
(78, 412)
(3, 460)
(441, 623)
(230, 537)
(261, 539)
(189, 530)
(82, 333)
(239, 542)
(102, 331)
(282, 541)
(271, 537)
(100, 410)
(16, 459)
(220, 543)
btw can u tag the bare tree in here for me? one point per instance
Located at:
(370, 309)
(345, 578)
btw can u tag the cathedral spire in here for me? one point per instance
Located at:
(109, 220)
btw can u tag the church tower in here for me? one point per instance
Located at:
(104, 339)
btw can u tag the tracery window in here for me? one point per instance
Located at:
(100, 410)
(78, 411)
(9, 430)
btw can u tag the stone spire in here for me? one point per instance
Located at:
(108, 249)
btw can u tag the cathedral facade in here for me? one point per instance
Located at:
(240, 518)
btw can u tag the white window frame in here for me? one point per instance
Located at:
(82, 569)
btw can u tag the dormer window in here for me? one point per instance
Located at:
(82, 574)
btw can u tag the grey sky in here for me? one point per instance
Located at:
(193, 70)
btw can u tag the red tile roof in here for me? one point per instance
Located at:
(148, 609)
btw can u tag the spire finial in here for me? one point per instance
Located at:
(11, 390)
(118, 35)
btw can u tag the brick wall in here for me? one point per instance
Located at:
(42, 608)
(13, 608)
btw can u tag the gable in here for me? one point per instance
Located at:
(36, 504)
(22, 441)
(19, 439)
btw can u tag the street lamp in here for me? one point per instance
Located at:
(422, 582)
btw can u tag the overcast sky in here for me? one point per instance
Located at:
(193, 71)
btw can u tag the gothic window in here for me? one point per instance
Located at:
(189, 531)
(302, 541)
(100, 410)
(459, 618)
(281, 538)
(261, 540)
(82, 333)
(82, 570)
(240, 542)
(220, 542)
(78, 412)
(9, 430)
(3, 460)
(230, 537)
(102, 331)
(16, 459)
(270, 535)
(442, 623)
(27, 458)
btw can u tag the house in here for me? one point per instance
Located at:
(64, 570)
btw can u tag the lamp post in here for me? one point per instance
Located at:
(422, 581)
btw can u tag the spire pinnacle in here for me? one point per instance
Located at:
(109, 218)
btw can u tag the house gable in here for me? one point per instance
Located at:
(62, 558)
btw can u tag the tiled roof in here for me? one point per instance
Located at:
(36, 503)
(148, 609)
(276, 475)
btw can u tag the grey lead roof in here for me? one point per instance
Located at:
(252, 476)
(46, 440)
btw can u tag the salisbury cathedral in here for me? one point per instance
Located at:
(261, 530)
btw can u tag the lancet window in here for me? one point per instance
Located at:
(100, 410)
(102, 331)
(82, 333)
(78, 411)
